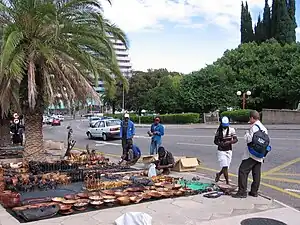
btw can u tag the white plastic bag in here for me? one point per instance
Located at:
(152, 170)
(134, 218)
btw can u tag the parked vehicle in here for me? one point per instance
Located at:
(55, 122)
(105, 129)
(61, 117)
(45, 120)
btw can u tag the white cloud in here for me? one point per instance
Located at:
(136, 15)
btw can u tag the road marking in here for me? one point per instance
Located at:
(282, 180)
(276, 188)
(280, 167)
(286, 174)
(292, 190)
(195, 144)
(146, 137)
(100, 143)
(198, 136)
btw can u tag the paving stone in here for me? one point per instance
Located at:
(262, 207)
(238, 212)
(106, 216)
(52, 221)
(163, 207)
(188, 204)
(171, 218)
(79, 220)
(8, 220)
(195, 214)
(138, 208)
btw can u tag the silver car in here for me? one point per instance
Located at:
(105, 129)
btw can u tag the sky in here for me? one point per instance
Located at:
(180, 35)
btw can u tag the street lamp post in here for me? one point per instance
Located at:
(244, 95)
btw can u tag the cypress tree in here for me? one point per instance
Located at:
(267, 21)
(260, 35)
(243, 18)
(282, 30)
(291, 11)
(246, 25)
(274, 18)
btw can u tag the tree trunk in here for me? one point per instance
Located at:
(34, 142)
(4, 132)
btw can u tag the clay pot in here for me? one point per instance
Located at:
(123, 200)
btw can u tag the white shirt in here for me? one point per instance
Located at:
(248, 138)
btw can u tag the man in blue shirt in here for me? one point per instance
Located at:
(131, 155)
(156, 132)
(127, 132)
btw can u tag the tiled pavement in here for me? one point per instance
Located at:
(193, 210)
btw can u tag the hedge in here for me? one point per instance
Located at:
(165, 118)
(240, 116)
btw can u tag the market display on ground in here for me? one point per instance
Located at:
(41, 190)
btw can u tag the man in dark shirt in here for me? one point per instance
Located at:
(165, 161)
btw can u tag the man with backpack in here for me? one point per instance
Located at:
(257, 141)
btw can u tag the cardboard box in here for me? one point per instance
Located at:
(186, 164)
(147, 160)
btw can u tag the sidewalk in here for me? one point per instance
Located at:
(193, 210)
(215, 126)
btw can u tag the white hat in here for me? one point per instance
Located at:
(126, 115)
(225, 121)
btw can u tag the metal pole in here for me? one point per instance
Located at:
(123, 104)
(244, 100)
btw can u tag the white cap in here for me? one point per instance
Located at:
(126, 115)
(225, 121)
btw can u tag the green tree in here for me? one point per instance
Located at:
(165, 98)
(50, 48)
(267, 21)
(247, 34)
(292, 11)
(259, 30)
(140, 86)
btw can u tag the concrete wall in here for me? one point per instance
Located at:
(280, 116)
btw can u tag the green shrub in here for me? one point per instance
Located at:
(165, 118)
(239, 116)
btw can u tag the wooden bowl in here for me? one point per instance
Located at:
(71, 197)
(58, 199)
(96, 198)
(109, 197)
(136, 199)
(64, 207)
(108, 192)
(121, 194)
(123, 200)
(83, 195)
(69, 202)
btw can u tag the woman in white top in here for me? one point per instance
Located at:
(225, 137)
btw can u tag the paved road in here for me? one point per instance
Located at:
(281, 178)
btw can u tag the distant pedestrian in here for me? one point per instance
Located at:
(156, 132)
(257, 141)
(127, 132)
(225, 137)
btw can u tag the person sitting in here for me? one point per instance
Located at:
(131, 155)
(165, 161)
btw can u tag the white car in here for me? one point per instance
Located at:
(45, 120)
(105, 129)
(61, 118)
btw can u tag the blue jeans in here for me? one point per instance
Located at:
(154, 146)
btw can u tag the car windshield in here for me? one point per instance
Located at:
(112, 123)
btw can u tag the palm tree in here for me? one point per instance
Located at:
(51, 48)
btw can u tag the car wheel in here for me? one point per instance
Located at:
(90, 136)
(104, 137)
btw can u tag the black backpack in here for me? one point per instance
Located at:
(259, 146)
